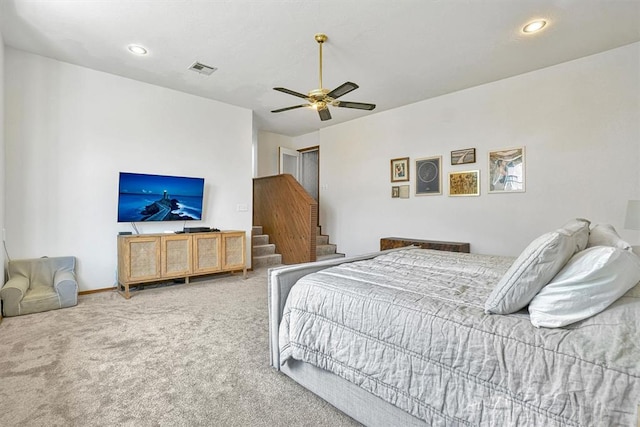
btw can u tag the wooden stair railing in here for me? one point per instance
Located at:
(288, 214)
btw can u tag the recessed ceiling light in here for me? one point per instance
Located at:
(137, 49)
(534, 26)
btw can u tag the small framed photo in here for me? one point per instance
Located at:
(404, 191)
(461, 157)
(465, 183)
(428, 176)
(506, 170)
(400, 169)
(395, 192)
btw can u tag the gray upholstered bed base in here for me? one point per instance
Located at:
(359, 404)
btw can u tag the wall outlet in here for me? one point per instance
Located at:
(242, 208)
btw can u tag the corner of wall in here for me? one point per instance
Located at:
(2, 166)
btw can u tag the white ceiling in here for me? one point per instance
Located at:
(398, 52)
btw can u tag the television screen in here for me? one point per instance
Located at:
(144, 197)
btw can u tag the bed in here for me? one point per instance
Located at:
(404, 337)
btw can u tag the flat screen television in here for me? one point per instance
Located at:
(143, 197)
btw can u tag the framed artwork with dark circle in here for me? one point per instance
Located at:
(400, 169)
(429, 176)
(461, 157)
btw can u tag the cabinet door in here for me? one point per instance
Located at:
(176, 256)
(139, 259)
(206, 253)
(233, 245)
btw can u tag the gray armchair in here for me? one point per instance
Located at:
(39, 284)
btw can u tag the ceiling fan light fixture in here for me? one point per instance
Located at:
(136, 49)
(319, 99)
(534, 26)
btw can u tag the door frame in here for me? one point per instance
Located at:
(302, 151)
(282, 152)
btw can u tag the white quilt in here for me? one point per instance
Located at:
(409, 326)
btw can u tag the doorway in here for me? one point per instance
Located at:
(309, 171)
(289, 162)
(303, 165)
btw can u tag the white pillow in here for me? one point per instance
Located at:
(579, 230)
(606, 235)
(591, 281)
(534, 268)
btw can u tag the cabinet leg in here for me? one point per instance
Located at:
(124, 293)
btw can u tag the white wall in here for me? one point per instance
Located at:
(71, 130)
(579, 122)
(2, 167)
(305, 141)
(268, 153)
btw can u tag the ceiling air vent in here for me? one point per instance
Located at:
(202, 69)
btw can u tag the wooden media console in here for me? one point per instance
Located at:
(146, 258)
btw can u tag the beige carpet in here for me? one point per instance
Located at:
(182, 355)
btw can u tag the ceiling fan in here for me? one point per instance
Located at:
(320, 99)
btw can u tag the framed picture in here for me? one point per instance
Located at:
(506, 170)
(395, 192)
(461, 157)
(400, 169)
(404, 192)
(428, 176)
(465, 183)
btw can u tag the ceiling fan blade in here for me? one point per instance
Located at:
(358, 105)
(324, 114)
(343, 89)
(280, 110)
(290, 92)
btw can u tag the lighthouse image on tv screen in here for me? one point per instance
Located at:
(143, 197)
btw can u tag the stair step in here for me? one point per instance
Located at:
(322, 239)
(329, 256)
(325, 249)
(261, 250)
(267, 260)
(260, 239)
(264, 252)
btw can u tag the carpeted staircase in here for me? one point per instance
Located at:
(264, 253)
(324, 249)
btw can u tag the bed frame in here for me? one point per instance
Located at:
(342, 394)
(359, 404)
